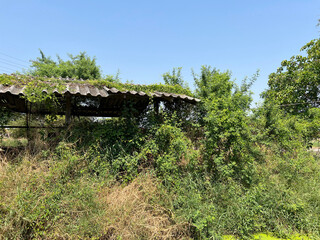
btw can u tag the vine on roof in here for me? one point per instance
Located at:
(35, 86)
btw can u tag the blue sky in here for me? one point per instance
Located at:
(144, 39)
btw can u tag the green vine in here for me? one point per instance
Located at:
(41, 88)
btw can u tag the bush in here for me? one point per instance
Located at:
(39, 197)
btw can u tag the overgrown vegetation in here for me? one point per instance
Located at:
(80, 66)
(220, 170)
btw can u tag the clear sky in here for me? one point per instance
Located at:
(144, 39)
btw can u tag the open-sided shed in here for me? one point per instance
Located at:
(78, 98)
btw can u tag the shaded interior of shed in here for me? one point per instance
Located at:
(85, 100)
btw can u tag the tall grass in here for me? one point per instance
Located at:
(152, 184)
(55, 196)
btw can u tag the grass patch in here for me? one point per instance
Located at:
(52, 195)
(13, 142)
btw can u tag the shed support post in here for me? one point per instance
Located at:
(68, 108)
(27, 120)
(156, 106)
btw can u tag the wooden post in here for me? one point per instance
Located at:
(156, 106)
(68, 108)
(27, 120)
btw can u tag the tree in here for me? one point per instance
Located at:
(174, 78)
(79, 66)
(225, 109)
(296, 84)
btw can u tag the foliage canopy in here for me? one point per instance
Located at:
(174, 78)
(80, 66)
(225, 107)
(296, 83)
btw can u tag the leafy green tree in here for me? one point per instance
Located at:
(79, 66)
(179, 108)
(228, 138)
(284, 133)
(296, 84)
(174, 78)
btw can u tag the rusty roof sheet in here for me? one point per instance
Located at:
(93, 91)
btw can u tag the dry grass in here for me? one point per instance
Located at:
(12, 180)
(27, 201)
(132, 213)
(114, 212)
(13, 142)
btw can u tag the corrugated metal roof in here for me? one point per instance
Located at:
(93, 91)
